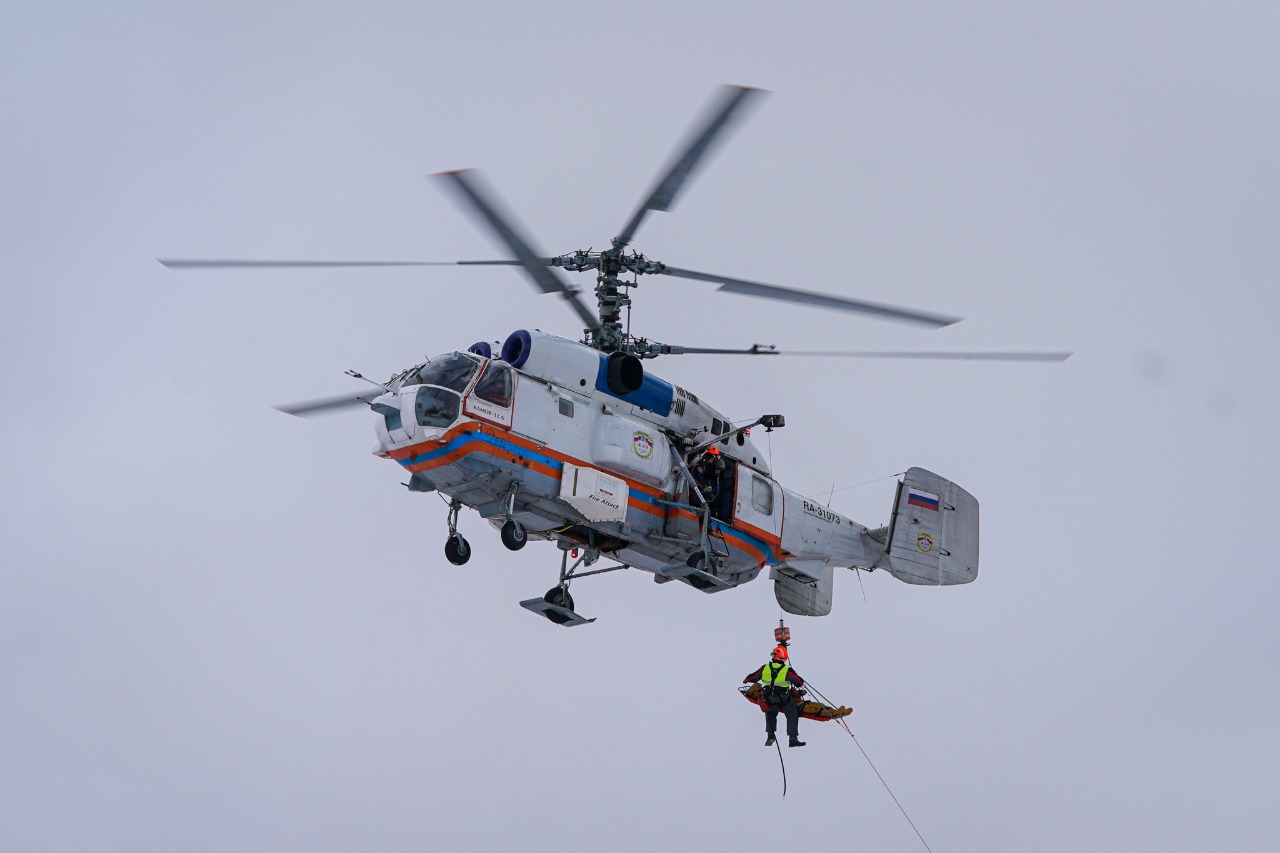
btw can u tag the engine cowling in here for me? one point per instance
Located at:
(579, 368)
(553, 358)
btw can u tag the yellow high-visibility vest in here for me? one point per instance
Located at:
(778, 678)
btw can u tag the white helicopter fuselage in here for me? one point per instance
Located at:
(557, 440)
(541, 437)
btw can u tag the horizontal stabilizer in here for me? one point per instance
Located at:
(934, 540)
(801, 595)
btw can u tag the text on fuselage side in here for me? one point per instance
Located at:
(819, 511)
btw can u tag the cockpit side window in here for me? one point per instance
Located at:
(453, 371)
(434, 407)
(495, 386)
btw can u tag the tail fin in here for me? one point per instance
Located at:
(933, 537)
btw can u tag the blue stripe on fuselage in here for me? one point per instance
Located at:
(483, 438)
(635, 494)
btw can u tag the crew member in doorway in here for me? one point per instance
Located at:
(722, 508)
(777, 680)
(707, 473)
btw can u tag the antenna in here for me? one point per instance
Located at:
(354, 375)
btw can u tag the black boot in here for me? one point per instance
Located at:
(770, 739)
(795, 741)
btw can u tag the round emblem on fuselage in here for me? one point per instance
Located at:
(924, 542)
(642, 444)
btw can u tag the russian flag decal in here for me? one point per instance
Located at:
(916, 497)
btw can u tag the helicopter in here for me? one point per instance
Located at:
(576, 442)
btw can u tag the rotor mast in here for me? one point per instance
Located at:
(611, 296)
(610, 300)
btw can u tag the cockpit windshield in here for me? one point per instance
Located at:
(435, 408)
(451, 371)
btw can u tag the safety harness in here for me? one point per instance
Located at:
(773, 677)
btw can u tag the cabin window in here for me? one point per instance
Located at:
(495, 386)
(435, 407)
(453, 371)
(761, 495)
(566, 407)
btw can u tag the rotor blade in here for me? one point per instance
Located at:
(543, 277)
(198, 264)
(759, 349)
(543, 261)
(329, 405)
(663, 195)
(809, 297)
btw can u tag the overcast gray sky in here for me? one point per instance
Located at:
(222, 628)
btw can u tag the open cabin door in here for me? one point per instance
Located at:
(758, 505)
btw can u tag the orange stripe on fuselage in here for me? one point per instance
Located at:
(482, 447)
(511, 438)
(763, 535)
(503, 435)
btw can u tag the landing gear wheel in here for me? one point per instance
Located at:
(560, 597)
(457, 550)
(697, 560)
(514, 535)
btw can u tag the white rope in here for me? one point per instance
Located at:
(856, 485)
(845, 726)
(886, 785)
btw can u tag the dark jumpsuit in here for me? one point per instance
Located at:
(722, 508)
(706, 474)
(788, 705)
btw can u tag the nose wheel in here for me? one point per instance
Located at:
(457, 550)
(513, 535)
